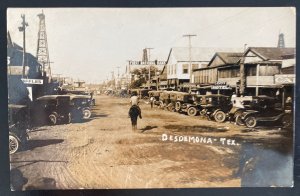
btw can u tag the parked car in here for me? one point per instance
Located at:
(156, 95)
(239, 105)
(80, 107)
(263, 109)
(19, 125)
(186, 102)
(81, 92)
(215, 106)
(164, 99)
(52, 109)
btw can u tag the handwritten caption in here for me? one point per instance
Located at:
(198, 139)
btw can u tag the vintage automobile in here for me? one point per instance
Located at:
(239, 105)
(156, 95)
(80, 107)
(80, 92)
(52, 109)
(189, 103)
(19, 125)
(263, 109)
(164, 99)
(215, 106)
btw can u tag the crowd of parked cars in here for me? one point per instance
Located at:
(250, 111)
(49, 109)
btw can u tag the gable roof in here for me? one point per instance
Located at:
(226, 57)
(181, 54)
(271, 53)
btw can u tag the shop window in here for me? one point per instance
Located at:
(195, 66)
(185, 68)
(251, 70)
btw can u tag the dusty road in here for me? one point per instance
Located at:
(105, 153)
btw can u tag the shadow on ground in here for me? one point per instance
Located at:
(147, 128)
(32, 144)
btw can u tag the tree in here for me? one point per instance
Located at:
(143, 76)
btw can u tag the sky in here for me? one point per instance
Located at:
(90, 43)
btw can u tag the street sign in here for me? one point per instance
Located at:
(285, 79)
(32, 81)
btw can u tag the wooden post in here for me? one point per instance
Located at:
(257, 77)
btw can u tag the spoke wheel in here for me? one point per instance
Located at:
(177, 106)
(52, 119)
(86, 114)
(220, 116)
(13, 144)
(251, 121)
(239, 120)
(192, 111)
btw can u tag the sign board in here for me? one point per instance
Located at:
(285, 79)
(16, 70)
(220, 86)
(32, 81)
(147, 62)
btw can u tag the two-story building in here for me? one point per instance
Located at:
(182, 61)
(222, 68)
(261, 65)
(22, 87)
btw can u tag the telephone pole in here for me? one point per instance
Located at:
(148, 62)
(190, 53)
(23, 29)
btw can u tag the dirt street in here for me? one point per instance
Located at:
(169, 150)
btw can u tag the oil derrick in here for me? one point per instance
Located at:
(145, 56)
(281, 41)
(42, 48)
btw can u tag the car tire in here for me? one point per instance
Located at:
(177, 106)
(220, 116)
(192, 111)
(86, 114)
(251, 121)
(52, 119)
(14, 144)
(238, 120)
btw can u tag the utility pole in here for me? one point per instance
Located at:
(190, 53)
(148, 62)
(23, 29)
(118, 81)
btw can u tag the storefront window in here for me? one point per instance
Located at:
(185, 68)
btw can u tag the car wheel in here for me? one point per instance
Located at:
(52, 119)
(220, 116)
(251, 122)
(192, 111)
(287, 121)
(170, 107)
(177, 106)
(14, 144)
(239, 120)
(86, 114)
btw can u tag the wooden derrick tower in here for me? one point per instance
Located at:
(42, 48)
